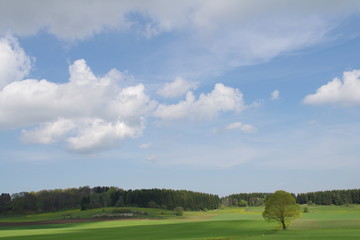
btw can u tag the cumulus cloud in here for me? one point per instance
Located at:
(247, 128)
(275, 95)
(50, 132)
(90, 113)
(176, 88)
(82, 135)
(207, 106)
(337, 91)
(87, 113)
(95, 134)
(84, 95)
(14, 63)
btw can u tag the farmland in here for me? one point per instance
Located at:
(321, 222)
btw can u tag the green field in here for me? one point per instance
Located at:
(322, 222)
(78, 214)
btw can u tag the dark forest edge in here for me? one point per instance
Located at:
(97, 197)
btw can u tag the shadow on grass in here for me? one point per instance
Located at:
(232, 229)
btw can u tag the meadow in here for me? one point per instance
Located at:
(321, 222)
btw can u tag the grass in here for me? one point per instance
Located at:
(322, 222)
(78, 214)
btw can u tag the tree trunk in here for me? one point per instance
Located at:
(283, 225)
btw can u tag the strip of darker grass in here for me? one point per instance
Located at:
(182, 230)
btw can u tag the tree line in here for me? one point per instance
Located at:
(245, 199)
(96, 197)
(335, 197)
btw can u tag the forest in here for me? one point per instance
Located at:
(335, 197)
(97, 197)
(331, 197)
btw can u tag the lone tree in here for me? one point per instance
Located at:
(281, 207)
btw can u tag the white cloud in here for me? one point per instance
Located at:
(207, 106)
(68, 20)
(14, 63)
(83, 96)
(74, 20)
(90, 113)
(275, 94)
(229, 33)
(97, 134)
(87, 113)
(345, 91)
(50, 132)
(130, 103)
(145, 146)
(176, 111)
(176, 88)
(244, 33)
(247, 128)
(82, 135)
(152, 158)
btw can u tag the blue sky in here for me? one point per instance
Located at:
(213, 96)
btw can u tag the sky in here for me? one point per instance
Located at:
(222, 97)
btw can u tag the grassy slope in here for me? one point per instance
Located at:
(77, 214)
(234, 223)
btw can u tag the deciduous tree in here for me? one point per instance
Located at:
(281, 207)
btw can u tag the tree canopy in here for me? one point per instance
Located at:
(281, 207)
(336, 197)
(96, 197)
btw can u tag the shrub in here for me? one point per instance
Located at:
(306, 209)
(117, 215)
(179, 211)
(243, 203)
(152, 204)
